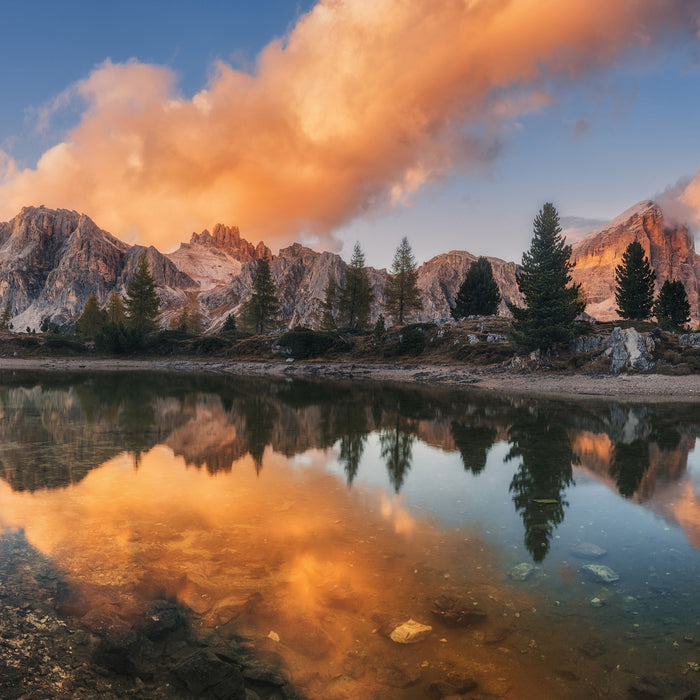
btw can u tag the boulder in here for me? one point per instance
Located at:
(410, 632)
(629, 349)
(599, 573)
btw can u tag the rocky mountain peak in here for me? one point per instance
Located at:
(669, 246)
(228, 240)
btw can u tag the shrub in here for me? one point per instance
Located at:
(411, 340)
(209, 344)
(304, 343)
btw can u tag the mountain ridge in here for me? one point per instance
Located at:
(52, 260)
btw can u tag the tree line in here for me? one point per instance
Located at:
(552, 301)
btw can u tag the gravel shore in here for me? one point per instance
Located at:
(626, 387)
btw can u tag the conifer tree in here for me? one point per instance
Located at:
(401, 291)
(355, 300)
(6, 316)
(115, 309)
(672, 309)
(634, 284)
(141, 301)
(262, 309)
(379, 327)
(329, 305)
(478, 294)
(552, 303)
(92, 320)
(229, 325)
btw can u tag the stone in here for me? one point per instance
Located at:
(410, 632)
(588, 550)
(599, 573)
(457, 613)
(629, 349)
(205, 674)
(522, 571)
(162, 617)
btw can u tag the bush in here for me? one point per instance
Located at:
(59, 342)
(411, 340)
(304, 343)
(209, 344)
(118, 338)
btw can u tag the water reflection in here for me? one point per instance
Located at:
(546, 457)
(224, 495)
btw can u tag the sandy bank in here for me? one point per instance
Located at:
(646, 387)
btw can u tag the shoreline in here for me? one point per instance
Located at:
(649, 388)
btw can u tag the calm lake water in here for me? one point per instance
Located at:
(314, 518)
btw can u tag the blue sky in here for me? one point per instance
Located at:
(622, 133)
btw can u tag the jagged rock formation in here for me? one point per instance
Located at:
(439, 280)
(51, 261)
(214, 259)
(670, 248)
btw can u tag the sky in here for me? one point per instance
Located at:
(450, 123)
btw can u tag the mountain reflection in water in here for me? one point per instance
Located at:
(227, 495)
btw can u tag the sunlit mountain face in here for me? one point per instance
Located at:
(315, 518)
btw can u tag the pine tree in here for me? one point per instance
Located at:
(355, 300)
(329, 305)
(552, 304)
(634, 284)
(672, 309)
(262, 309)
(379, 327)
(229, 325)
(141, 302)
(478, 294)
(401, 291)
(6, 316)
(92, 320)
(115, 309)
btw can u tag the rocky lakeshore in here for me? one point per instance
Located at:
(625, 387)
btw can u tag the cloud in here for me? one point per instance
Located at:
(359, 106)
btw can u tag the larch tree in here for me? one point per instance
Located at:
(115, 309)
(478, 294)
(401, 291)
(6, 316)
(92, 320)
(329, 305)
(141, 303)
(634, 284)
(551, 301)
(355, 302)
(262, 310)
(671, 308)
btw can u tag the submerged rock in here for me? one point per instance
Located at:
(600, 573)
(456, 612)
(410, 632)
(588, 550)
(521, 571)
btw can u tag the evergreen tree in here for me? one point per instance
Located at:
(115, 309)
(262, 309)
(329, 304)
(671, 308)
(229, 325)
(92, 320)
(141, 302)
(401, 292)
(634, 284)
(6, 316)
(356, 296)
(552, 303)
(478, 294)
(379, 327)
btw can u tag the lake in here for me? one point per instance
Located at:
(551, 546)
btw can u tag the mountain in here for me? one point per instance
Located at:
(212, 259)
(669, 245)
(51, 261)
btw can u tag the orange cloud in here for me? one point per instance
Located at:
(359, 106)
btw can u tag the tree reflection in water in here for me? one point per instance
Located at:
(546, 458)
(473, 443)
(396, 445)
